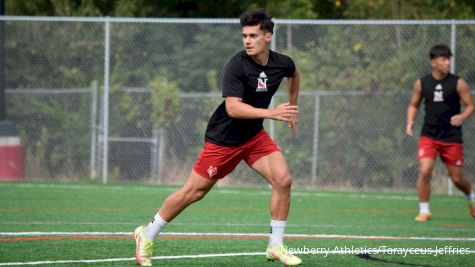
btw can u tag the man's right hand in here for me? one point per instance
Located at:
(283, 112)
(409, 129)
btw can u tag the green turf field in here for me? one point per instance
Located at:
(95, 224)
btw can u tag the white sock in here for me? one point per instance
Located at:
(154, 227)
(471, 197)
(424, 207)
(276, 233)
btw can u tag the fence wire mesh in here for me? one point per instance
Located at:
(163, 83)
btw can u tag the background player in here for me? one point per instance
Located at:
(441, 134)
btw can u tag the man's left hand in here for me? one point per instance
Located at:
(457, 120)
(294, 120)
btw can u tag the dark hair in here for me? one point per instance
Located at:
(440, 50)
(258, 17)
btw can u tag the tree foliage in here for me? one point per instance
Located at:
(406, 9)
(300, 9)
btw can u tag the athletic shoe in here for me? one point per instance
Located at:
(422, 217)
(281, 253)
(471, 206)
(144, 247)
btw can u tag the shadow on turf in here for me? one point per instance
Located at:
(368, 257)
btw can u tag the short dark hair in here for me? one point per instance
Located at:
(440, 50)
(258, 17)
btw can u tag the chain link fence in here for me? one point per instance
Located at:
(127, 100)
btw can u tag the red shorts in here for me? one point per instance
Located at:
(450, 153)
(215, 161)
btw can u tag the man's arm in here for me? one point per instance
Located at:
(293, 86)
(466, 98)
(413, 107)
(239, 110)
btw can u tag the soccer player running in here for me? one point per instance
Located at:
(441, 134)
(235, 132)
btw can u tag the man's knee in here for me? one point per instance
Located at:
(457, 178)
(456, 174)
(190, 194)
(195, 195)
(425, 174)
(283, 181)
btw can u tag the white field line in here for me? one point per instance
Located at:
(133, 259)
(463, 229)
(317, 236)
(318, 252)
(388, 196)
(323, 194)
(452, 229)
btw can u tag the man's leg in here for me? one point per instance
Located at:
(195, 188)
(274, 169)
(462, 183)
(426, 166)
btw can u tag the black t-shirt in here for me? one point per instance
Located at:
(255, 84)
(442, 102)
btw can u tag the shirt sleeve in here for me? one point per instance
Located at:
(233, 80)
(290, 68)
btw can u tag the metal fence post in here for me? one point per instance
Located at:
(453, 33)
(92, 163)
(453, 45)
(316, 127)
(153, 154)
(161, 153)
(105, 128)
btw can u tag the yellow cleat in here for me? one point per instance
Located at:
(281, 253)
(422, 217)
(144, 247)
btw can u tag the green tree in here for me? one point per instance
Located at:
(127, 8)
(406, 9)
(301, 9)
